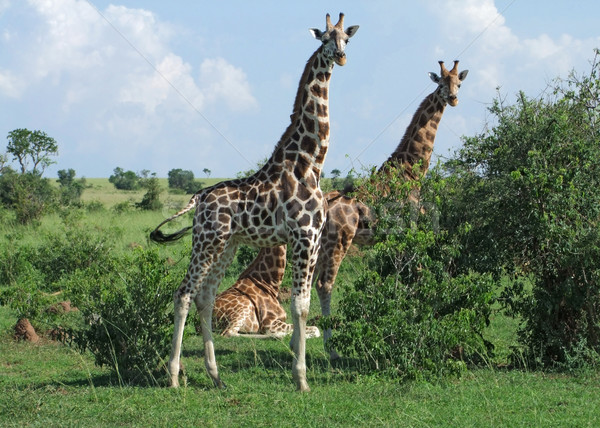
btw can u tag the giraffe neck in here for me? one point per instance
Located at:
(267, 269)
(302, 148)
(417, 143)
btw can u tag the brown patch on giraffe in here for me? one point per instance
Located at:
(316, 90)
(321, 156)
(309, 124)
(301, 167)
(308, 144)
(323, 130)
(322, 111)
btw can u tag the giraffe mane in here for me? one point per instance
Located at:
(297, 108)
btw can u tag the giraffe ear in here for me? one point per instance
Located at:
(434, 77)
(351, 31)
(317, 34)
(463, 75)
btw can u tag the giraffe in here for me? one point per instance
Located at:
(251, 305)
(281, 203)
(349, 220)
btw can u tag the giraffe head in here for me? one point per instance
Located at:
(449, 82)
(335, 38)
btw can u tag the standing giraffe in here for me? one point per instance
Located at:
(349, 220)
(281, 203)
(251, 305)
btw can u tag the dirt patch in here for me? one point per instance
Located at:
(25, 331)
(61, 307)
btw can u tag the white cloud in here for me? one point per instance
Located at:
(9, 84)
(106, 56)
(496, 56)
(222, 80)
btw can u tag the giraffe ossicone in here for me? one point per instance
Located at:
(280, 204)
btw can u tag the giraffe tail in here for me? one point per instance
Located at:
(157, 236)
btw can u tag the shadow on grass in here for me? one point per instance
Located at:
(276, 362)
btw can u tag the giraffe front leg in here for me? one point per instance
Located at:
(303, 271)
(182, 308)
(334, 246)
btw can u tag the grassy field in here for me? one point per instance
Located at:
(48, 384)
(101, 190)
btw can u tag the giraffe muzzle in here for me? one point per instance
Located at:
(339, 58)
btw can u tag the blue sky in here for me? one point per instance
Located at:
(195, 84)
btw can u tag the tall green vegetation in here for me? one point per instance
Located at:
(410, 313)
(32, 150)
(124, 180)
(25, 191)
(127, 312)
(70, 188)
(528, 188)
(151, 199)
(183, 180)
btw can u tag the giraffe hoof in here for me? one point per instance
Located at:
(303, 387)
(220, 384)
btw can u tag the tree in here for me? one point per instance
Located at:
(70, 189)
(124, 180)
(28, 194)
(32, 147)
(151, 200)
(183, 180)
(529, 190)
(207, 172)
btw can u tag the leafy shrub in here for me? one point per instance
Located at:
(124, 180)
(529, 189)
(94, 206)
(31, 277)
(122, 207)
(128, 313)
(409, 314)
(28, 194)
(70, 189)
(183, 180)
(151, 200)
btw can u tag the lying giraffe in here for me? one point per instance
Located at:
(281, 203)
(349, 221)
(251, 305)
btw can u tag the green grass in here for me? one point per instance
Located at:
(101, 190)
(51, 385)
(48, 384)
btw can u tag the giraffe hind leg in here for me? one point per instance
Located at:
(205, 303)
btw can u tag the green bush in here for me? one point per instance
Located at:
(409, 314)
(530, 189)
(127, 307)
(29, 195)
(151, 200)
(183, 180)
(124, 180)
(70, 189)
(32, 277)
